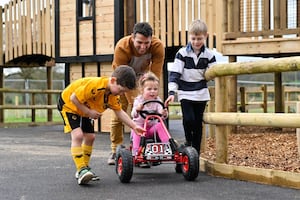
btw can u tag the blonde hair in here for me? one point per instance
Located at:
(149, 76)
(198, 27)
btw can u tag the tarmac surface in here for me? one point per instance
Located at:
(36, 164)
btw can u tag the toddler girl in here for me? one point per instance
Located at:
(149, 87)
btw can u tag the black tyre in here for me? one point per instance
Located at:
(190, 165)
(124, 165)
(178, 168)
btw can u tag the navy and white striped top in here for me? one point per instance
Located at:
(186, 74)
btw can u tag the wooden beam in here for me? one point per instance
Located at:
(170, 23)
(183, 23)
(266, 33)
(176, 23)
(1, 39)
(10, 31)
(48, 29)
(28, 28)
(20, 25)
(281, 120)
(266, 19)
(262, 47)
(254, 67)
(283, 18)
(163, 25)
(129, 16)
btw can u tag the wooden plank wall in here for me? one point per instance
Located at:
(170, 18)
(27, 34)
(67, 22)
(104, 27)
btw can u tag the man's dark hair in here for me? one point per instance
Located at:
(143, 28)
(125, 76)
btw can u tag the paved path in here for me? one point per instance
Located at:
(36, 165)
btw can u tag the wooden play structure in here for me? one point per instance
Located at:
(82, 34)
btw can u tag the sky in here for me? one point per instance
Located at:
(3, 2)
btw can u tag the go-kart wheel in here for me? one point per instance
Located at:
(178, 168)
(190, 165)
(124, 165)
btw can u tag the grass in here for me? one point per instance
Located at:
(24, 115)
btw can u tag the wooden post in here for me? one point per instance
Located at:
(243, 99)
(279, 103)
(1, 68)
(49, 87)
(232, 95)
(221, 134)
(33, 109)
(298, 131)
(203, 139)
(129, 19)
(265, 98)
(211, 108)
(1, 93)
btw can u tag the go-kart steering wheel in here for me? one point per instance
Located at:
(144, 113)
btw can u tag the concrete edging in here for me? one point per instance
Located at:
(258, 175)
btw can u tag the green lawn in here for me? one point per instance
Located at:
(24, 115)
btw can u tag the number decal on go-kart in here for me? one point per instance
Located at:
(158, 149)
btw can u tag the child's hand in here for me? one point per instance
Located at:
(169, 99)
(139, 107)
(93, 114)
(165, 113)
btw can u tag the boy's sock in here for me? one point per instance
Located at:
(77, 155)
(87, 152)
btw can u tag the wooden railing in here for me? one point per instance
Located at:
(27, 34)
(222, 118)
(263, 97)
(48, 105)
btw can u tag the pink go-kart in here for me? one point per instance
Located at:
(154, 152)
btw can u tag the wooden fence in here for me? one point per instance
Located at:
(219, 72)
(263, 97)
(48, 106)
(246, 102)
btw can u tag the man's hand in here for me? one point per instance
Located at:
(139, 130)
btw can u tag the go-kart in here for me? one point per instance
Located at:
(154, 152)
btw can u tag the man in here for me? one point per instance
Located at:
(143, 52)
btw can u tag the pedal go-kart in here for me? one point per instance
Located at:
(154, 152)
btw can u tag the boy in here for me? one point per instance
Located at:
(86, 99)
(187, 79)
